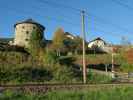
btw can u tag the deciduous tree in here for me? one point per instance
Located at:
(58, 41)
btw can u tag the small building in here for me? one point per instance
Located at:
(100, 43)
(68, 35)
(24, 30)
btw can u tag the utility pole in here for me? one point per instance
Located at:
(84, 37)
(112, 62)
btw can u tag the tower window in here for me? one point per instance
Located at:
(26, 39)
(23, 27)
(34, 27)
(27, 32)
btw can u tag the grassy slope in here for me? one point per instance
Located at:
(101, 58)
(22, 65)
(24, 69)
(119, 59)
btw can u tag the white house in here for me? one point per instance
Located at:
(98, 42)
(100, 45)
(67, 34)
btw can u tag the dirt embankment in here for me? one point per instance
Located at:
(129, 56)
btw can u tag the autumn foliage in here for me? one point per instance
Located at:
(129, 56)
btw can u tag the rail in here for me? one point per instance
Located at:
(43, 88)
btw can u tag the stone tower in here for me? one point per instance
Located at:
(23, 32)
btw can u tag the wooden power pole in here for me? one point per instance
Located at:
(112, 62)
(84, 37)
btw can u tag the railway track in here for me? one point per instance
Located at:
(43, 88)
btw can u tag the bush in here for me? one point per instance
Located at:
(49, 58)
(21, 74)
(98, 78)
(125, 67)
(64, 74)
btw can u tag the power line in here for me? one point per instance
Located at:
(59, 5)
(109, 33)
(48, 18)
(113, 35)
(103, 21)
(97, 18)
(66, 18)
(122, 4)
(71, 23)
(118, 34)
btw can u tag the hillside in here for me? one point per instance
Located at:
(5, 40)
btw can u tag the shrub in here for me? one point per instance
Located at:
(63, 74)
(21, 74)
(98, 78)
(49, 58)
(126, 67)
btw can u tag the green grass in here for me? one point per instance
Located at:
(98, 78)
(123, 93)
(125, 67)
(119, 59)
